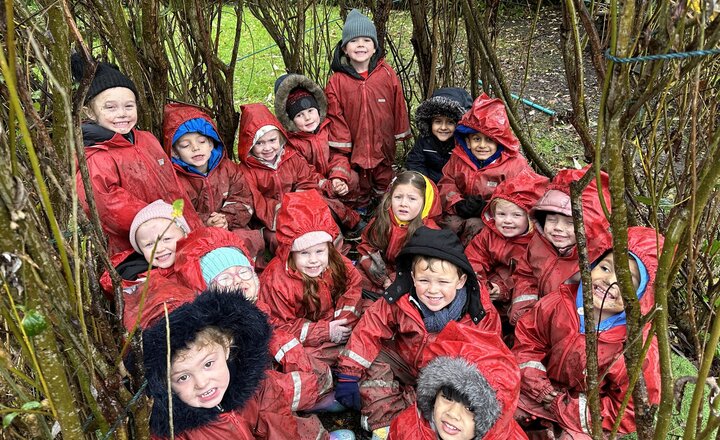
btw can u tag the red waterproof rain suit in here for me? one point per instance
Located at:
(550, 350)
(492, 359)
(282, 289)
(492, 255)
(368, 116)
(125, 178)
(543, 269)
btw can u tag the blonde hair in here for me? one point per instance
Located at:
(431, 262)
(502, 202)
(206, 336)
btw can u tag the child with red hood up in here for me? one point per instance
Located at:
(552, 255)
(467, 390)
(309, 289)
(271, 167)
(550, 347)
(495, 251)
(486, 153)
(213, 182)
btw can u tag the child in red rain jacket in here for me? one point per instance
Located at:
(411, 202)
(468, 390)
(220, 383)
(552, 256)
(366, 106)
(309, 290)
(128, 168)
(271, 168)
(435, 285)
(550, 346)
(213, 182)
(495, 251)
(487, 153)
(301, 106)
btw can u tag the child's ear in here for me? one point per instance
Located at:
(462, 281)
(88, 113)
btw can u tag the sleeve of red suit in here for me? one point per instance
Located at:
(532, 344)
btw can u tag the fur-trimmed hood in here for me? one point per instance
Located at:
(452, 102)
(483, 369)
(289, 83)
(445, 245)
(247, 362)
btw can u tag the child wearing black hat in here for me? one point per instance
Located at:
(128, 168)
(301, 107)
(436, 120)
(366, 106)
(434, 286)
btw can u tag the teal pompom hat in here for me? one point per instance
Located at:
(220, 259)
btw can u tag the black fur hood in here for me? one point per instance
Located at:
(288, 84)
(452, 102)
(247, 362)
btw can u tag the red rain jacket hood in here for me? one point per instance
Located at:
(175, 114)
(488, 116)
(253, 117)
(198, 243)
(488, 356)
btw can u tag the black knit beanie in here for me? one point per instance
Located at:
(106, 77)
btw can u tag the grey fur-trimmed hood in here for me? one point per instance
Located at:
(465, 377)
(286, 85)
(452, 102)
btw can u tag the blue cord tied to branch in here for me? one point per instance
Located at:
(663, 56)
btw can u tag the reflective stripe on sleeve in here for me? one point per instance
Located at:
(297, 390)
(340, 144)
(533, 364)
(350, 309)
(304, 331)
(357, 358)
(523, 298)
(582, 411)
(285, 348)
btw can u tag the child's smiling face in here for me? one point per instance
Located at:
(200, 375)
(114, 109)
(155, 230)
(268, 146)
(443, 128)
(194, 149)
(560, 231)
(481, 146)
(307, 120)
(312, 261)
(606, 291)
(436, 282)
(360, 50)
(510, 219)
(453, 420)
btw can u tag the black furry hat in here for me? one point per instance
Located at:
(285, 86)
(106, 77)
(444, 245)
(465, 378)
(247, 361)
(452, 102)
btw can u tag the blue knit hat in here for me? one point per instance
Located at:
(358, 25)
(219, 260)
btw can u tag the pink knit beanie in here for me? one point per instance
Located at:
(310, 239)
(554, 201)
(157, 209)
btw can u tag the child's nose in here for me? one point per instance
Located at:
(454, 409)
(201, 381)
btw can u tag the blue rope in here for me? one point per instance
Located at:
(664, 56)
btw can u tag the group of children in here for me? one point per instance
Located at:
(467, 253)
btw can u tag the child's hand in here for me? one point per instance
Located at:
(548, 399)
(523, 417)
(386, 282)
(217, 220)
(339, 187)
(339, 332)
(495, 292)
